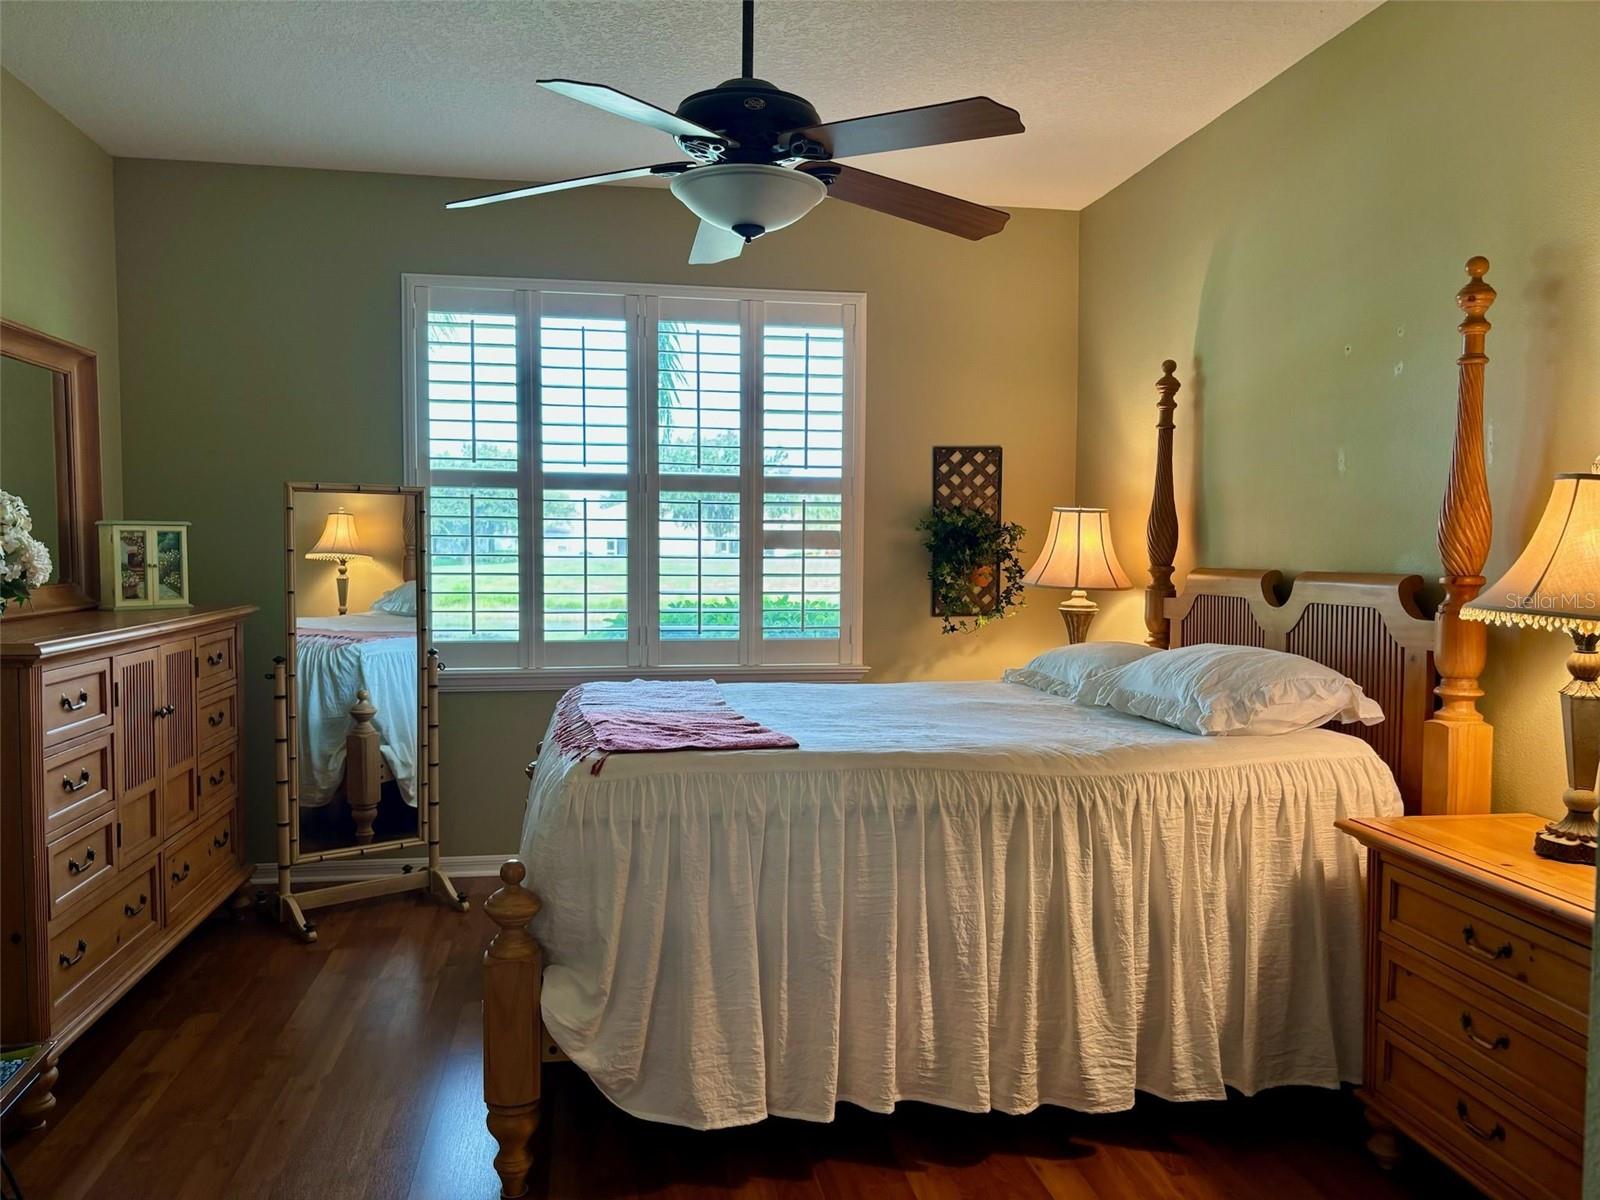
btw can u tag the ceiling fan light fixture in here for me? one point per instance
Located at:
(748, 198)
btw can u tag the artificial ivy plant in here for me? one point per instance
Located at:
(971, 548)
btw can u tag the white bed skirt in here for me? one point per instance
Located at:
(787, 939)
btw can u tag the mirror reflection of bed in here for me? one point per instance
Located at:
(357, 669)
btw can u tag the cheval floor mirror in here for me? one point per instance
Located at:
(356, 696)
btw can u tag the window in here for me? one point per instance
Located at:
(629, 479)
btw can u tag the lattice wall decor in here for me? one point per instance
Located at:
(969, 477)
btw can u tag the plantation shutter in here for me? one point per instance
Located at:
(589, 494)
(694, 412)
(806, 481)
(471, 398)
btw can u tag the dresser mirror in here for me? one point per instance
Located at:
(356, 691)
(50, 460)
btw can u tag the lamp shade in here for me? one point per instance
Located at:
(1078, 553)
(340, 541)
(1555, 582)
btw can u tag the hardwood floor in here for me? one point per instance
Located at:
(248, 1065)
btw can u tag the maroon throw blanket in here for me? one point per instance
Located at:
(644, 716)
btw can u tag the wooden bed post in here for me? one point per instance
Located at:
(363, 786)
(1161, 534)
(1458, 744)
(511, 981)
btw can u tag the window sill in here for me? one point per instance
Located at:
(510, 679)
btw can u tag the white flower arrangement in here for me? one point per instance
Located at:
(25, 561)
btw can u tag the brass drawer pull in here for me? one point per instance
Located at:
(1470, 937)
(74, 867)
(218, 779)
(217, 718)
(83, 948)
(177, 878)
(83, 781)
(129, 910)
(217, 843)
(217, 659)
(1477, 1039)
(1497, 1134)
(73, 706)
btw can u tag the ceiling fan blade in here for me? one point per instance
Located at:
(714, 245)
(631, 108)
(933, 209)
(562, 185)
(930, 125)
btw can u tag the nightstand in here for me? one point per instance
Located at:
(1477, 999)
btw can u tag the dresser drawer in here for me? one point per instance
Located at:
(218, 717)
(217, 653)
(219, 777)
(85, 954)
(80, 860)
(1475, 1031)
(77, 783)
(1526, 962)
(1481, 1133)
(77, 700)
(187, 866)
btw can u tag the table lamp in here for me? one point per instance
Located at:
(1555, 584)
(1078, 554)
(340, 543)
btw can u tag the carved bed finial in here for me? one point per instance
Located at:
(1161, 534)
(1458, 742)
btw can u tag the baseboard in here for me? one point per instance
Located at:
(459, 866)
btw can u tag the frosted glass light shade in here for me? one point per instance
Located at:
(1078, 553)
(1555, 582)
(731, 195)
(340, 541)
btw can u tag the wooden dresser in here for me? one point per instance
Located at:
(1477, 1009)
(119, 828)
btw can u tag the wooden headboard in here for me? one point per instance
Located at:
(1367, 627)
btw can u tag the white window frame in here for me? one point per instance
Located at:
(642, 654)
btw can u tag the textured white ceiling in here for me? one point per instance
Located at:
(447, 88)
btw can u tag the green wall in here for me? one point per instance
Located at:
(58, 258)
(1299, 258)
(261, 320)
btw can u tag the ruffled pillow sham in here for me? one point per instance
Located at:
(1233, 691)
(1067, 670)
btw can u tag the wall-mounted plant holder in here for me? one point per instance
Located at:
(969, 477)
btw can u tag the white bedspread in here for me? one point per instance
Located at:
(329, 673)
(972, 894)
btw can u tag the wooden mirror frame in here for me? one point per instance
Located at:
(79, 501)
(362, 743)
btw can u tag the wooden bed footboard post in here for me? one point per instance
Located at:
(1457, 743)
(511, 977)
(1161, 534)
(362, 784)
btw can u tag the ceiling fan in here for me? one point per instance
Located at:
(761, 158)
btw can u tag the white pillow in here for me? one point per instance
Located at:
(398, 601)
(1234, 690)
(1066, 670)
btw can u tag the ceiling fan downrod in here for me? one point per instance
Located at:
(748, 62)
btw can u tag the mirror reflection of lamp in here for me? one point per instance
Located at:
(340, 543)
